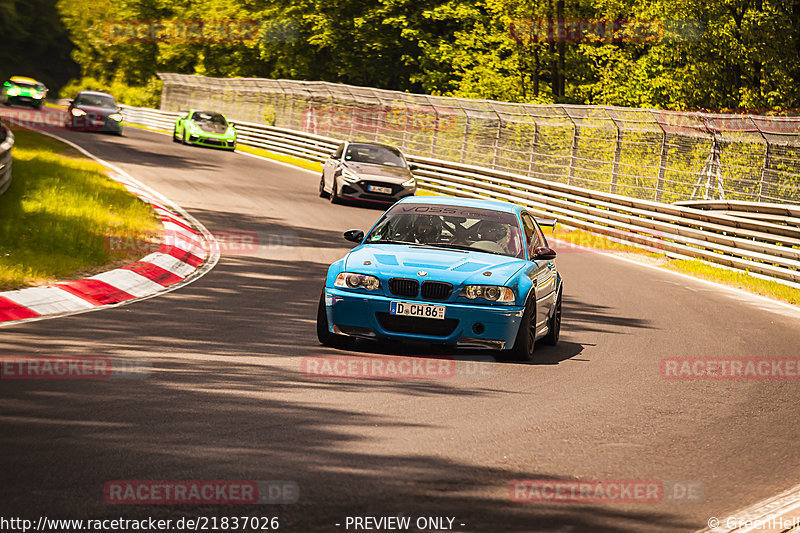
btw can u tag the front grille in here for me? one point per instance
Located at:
(416, 325)
(404, 287)
(214, 142)
(365, 185)
(436, 290)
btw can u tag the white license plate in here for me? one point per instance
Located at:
(382, 190)
(418, 310)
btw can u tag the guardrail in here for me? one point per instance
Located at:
(763, 248)
(6, 144)
(777, 213)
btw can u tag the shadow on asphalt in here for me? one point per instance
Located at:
(215, 347)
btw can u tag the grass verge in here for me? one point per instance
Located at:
(61, 216)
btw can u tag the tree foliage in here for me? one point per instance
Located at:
(692, 54)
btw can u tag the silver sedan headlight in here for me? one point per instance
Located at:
(411, 182)
(349, 177)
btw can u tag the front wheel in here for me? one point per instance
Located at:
(334, 196)
(554, 324)
(175, 135)
(323, 333)
(526, 335)
(322, 193)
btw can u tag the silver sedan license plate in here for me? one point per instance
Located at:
(381, 190)
(418, 310)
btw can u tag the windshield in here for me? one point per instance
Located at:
(214, 118)
(464, 228)
(96, 100)
(374, 154)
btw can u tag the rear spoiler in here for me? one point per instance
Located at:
(550, 222)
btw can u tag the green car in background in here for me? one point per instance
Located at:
(23, 91)
(205, 128)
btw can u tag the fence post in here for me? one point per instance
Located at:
(464, 142)
(615, 168)
(534, 144)
(574, 152)
(662, 167)
(765, 166)
(496, 148)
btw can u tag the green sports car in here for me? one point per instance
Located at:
(23, 91)
(205, 128)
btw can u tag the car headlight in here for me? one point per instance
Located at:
(38, 96)
(78, 112)
(349, 177)
(13, 91)
(493, 293)
(410, 182)
(350, 280)
(115, 116)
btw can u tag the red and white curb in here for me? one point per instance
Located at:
(187, 252)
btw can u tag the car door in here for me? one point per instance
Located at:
(552, 274)
(329, 168)
(540, 274)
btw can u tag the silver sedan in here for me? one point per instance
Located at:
(367, 172)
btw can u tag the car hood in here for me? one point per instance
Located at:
(453, 266)
(211, 127)
(381, 172)
(101, 111)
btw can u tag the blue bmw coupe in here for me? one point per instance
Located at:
(464, 272)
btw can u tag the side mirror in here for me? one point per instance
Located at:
(333, 156)
(354, 235)
(544, 253)
(412, 166)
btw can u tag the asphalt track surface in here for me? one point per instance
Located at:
(227, 398)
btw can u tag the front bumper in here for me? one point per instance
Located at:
(360, 191)
(25, 100)
(212, 141)
(94, 124)
(465, 325)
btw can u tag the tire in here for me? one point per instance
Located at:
(325, 337)
(183, 138)
(526, 335)
(554, 324)
(175, 135)
(334, 196)
(322, 193)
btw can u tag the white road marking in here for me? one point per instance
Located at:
(762, 302)
(767, 513)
